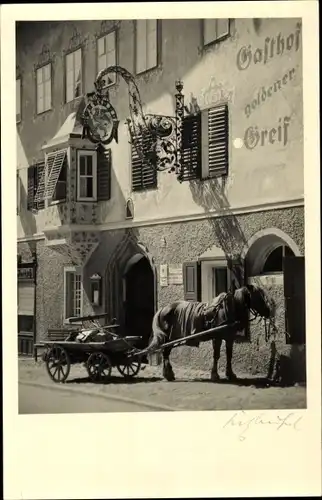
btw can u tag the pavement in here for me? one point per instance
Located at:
(37, 399)
(148, 391)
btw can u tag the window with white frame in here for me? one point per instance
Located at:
(43, 77)
(86, 176)
(214, 279)
(73, 75)
(18, 100)
(215, 30)
(73, 294)
(106, 55)
(146, 44)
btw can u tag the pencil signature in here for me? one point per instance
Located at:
(245, 422)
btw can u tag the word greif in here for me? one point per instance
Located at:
(254, 137)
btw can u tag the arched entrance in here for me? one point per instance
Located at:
(272, 252)
(139, 297)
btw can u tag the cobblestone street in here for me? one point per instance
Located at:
(192, 389)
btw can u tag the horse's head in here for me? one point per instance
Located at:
(254, 299)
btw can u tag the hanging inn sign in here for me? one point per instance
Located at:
(157, 139)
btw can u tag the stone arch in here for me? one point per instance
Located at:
(262, 244)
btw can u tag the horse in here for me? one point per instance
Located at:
(184, 318)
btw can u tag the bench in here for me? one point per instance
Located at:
(53, 335)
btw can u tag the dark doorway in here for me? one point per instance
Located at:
(139, 300)
(294, 291)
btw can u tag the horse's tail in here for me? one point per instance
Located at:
(157, 335)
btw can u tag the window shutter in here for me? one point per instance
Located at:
(104, 167)
(215, 141)
(191, 147)
(191, 281)
(31, 188)
(40, 169)
(144, 175)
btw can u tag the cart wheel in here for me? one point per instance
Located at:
(99, 366)
(130, 369)
(57, 363)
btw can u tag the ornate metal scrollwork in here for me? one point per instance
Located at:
(156, 138)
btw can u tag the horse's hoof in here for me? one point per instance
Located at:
(169, 376)
(214, 377)
(231, 377)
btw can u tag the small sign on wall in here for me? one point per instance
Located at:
(163, 274)
(175, 275)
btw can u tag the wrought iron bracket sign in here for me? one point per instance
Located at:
(156, 138)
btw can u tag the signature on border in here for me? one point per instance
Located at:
(245, 422)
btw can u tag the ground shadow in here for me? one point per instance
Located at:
(114, 380)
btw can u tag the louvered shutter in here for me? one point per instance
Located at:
(191, 147)
(215, 135)
(191, 280)
(31, 188)
(104, 166)
(55, 163)
(144, 175)
(40, 167)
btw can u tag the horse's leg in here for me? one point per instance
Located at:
(216, 343)
(229, 356)
(167, 368)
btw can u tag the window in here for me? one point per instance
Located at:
(73, 292)
(106, 55)
(214, 30)
(205, 144)
(73, 75)
(18, 100)
(144, 173)
(86, 176)
(43, 76)
(219, 280)
(274, 261)
(52, 184)
(146, 43)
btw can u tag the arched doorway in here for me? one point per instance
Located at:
(272, 252)
(139, 297)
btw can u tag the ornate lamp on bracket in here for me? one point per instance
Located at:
(156, 138)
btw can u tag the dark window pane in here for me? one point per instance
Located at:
(82, 167)
(25, 323)
(89, 165)
(220, 280)
(89, 187)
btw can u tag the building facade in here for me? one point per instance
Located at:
(105, 233)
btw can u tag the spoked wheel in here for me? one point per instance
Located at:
(99, 367)
(57, 363)
(130, 369)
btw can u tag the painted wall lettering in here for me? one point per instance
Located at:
(254, 137)
(266, 92)
(277, 45)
